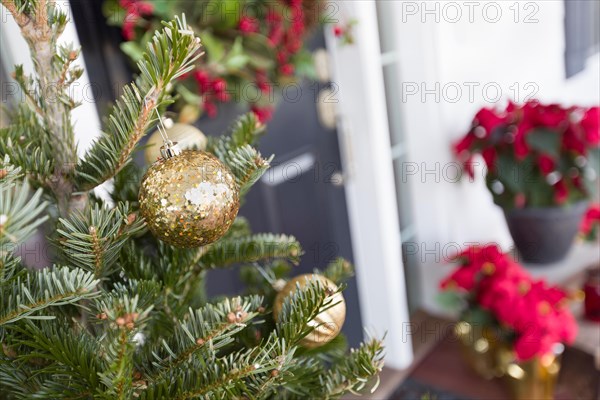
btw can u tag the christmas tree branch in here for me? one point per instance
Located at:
(45, 288)
(169, 55)
(65, 350)
(19, 214)
(208, 329)
(236, 151)
(92, 239)
(41, 24)
(253, 248)
(355, 371)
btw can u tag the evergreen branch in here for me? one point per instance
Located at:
(237, 375)
(236, 151)
(28, 145)
(21, 380)
(124, 316)
(41, 289)
(19, 214)
(339, 271)
(302, 379)
(356, 370)
(246, 130)
(254, 248)
(208, 329)
(41, 24)
(10, 269)
(246, 164)
(66, 351)
(302, 307)
(92, 239)
(169, 55)
(9, 174)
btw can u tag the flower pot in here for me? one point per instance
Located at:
(479, 346)
(531, 379)
(544, 235)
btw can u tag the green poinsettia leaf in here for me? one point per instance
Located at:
(545, 141)
(514, 175)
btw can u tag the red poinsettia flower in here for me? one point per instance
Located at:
(535, 314)
(488, 119)
(545, 163)
(591, 220)
(521, 147)
(561, 193)
(463, 147)
(489, 156)
(591, 125)
(549, 135)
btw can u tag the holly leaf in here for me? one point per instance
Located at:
(545, 141)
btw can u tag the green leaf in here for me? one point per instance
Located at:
(515, 175)
(236, 59)
(133, 50)
(213, 46)
(260, 51)
(545, 141)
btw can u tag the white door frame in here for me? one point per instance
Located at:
(369, 182)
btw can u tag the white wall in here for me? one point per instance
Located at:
(517, 54)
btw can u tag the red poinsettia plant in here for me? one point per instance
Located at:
(253, 47)
(528, 314)
(537, 155)
(590, 225)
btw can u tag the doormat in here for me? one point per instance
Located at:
(412, 389)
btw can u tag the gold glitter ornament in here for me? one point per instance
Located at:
(188, 137)
(328, 323)
(188, 198)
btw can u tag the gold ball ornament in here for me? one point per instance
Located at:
(189, 199)
(328, 323)
(188, 137)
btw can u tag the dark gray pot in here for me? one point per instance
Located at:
(545, 235)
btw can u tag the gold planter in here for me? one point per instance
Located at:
(479, 346)
(492, 358)
(531, 379)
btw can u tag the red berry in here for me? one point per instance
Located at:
(263, 114)
(145, 8)
(219, 85)
(210, 108)
(287, 69)
(223, 97)
(248, 25)
(338, 31)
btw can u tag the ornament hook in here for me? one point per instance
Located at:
(169, 148)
